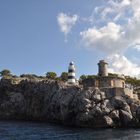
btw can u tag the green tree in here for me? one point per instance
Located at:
(5, 73)
(133, 81)
(51, 75)
(64, 76)
(29, 75)
(112, 74)
(91, 76)
(82, 77)
(58, 79)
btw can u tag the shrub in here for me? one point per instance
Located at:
(5, 73)
(64, 76)
(51, 75)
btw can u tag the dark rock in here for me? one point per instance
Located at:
(50, 100)
(125, 118)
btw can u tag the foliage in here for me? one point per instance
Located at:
(5, 73)
(64, 76)
(51, 75)
(58, 79)
(14, 76)
(133, 81)
(29, 76)
(112, 74)
(82, 77)
(92, 76)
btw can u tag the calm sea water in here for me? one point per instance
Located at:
(44, 131)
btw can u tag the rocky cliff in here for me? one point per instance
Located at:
(71, 105)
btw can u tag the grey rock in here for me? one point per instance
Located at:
(51, 100)
(108, 121)
(125, 118)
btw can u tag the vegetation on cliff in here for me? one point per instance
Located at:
(133, 81)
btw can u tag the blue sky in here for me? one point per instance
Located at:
(37, 36)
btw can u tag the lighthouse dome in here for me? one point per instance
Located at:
(71, 63)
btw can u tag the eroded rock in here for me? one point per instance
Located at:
(51, 100)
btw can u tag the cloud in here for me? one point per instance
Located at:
(121, 65)
(66, 22)
(113, 10)
(117, 34)
(137, 47)
(108, 39)
(116, 28)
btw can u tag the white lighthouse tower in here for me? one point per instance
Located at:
(71, 73)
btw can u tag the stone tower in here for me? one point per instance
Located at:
(71, 73)
(102, 68)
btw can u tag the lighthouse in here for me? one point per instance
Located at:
(71, 73)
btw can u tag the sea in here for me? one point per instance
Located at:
(13, 130)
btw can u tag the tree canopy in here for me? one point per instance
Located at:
(64, 76)
(5, 73)
(51, 75)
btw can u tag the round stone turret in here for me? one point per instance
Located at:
(71, 73)
(102, 68)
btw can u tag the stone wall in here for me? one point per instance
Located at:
(111, 82)
(112, 92)
(106, 82)
(88, 82)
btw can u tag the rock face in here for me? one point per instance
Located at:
(70, 105)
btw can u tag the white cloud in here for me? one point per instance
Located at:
(121, 65)
(121, 28)
(66, 22)
(114, 10)
(108, 39)
(116, 28)
(137, 47)
(125, 3)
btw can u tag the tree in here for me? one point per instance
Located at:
(112, 74)
(29, 75)
(64, 76)
(92, 76)
(133, 81)
(58, 79)
(5, 73)
(82, 77)
(51, 75)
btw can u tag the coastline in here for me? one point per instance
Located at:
(55, 102)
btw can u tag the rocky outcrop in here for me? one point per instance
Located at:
(67, 104)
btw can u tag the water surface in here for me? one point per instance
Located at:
(44, 131)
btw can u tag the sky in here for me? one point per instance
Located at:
(38, 36)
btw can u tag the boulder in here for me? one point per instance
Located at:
(125, 118)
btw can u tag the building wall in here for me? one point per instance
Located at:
(116, 91)
(89, 82)
(118, 83)
(111, 86)
(111, 82)
(104, 82)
